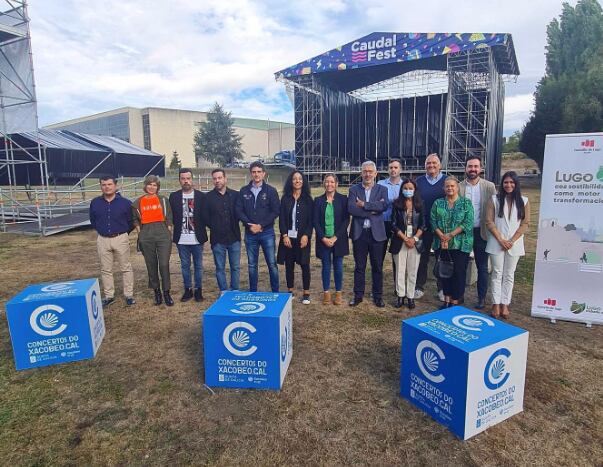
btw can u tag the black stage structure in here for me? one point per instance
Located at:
(401, 95)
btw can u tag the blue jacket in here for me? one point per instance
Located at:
(263, 210)
(373, 210)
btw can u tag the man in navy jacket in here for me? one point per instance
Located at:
(366, 203)
(257, 207)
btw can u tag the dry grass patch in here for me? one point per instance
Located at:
(142, 399)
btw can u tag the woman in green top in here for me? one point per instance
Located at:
(331, 220)
(452, 224)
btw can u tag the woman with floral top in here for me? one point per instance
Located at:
(452, 224)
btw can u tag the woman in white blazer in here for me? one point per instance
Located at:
(507, 219)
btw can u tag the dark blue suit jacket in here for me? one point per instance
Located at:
(373, 209)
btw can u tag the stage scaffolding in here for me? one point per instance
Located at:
(32, 201)
(452, 105)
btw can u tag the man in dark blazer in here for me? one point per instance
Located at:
(189, 233)
(366, 203)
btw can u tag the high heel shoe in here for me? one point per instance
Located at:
(158, 298)
(495, 313)
(504, 313)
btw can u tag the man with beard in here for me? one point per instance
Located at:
(189, 233)
(225, 233)
(479, 191)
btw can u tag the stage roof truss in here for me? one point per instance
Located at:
(402, 95)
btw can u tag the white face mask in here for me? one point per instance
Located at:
(408, 193)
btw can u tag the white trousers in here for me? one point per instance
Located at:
(502, 277)
(407, 264)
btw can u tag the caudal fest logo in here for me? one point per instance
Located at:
(237, 338)
(45, 320)
(471, 322)
(429, 357)
(496, 370)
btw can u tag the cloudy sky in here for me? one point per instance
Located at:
(92, 56)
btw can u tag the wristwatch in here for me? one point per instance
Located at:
(416, 239)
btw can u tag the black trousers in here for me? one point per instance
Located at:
(455, 286)
(290, 273)
(365, 246)
(424, 262)
(388, 232)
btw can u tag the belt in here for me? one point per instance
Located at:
(113, 235)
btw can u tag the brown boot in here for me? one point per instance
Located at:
(326, 298)
(338, 299)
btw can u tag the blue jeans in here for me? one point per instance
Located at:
(234, 259)
(327, 259)
(185, 252)
(253, 242)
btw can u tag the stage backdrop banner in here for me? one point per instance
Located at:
(569, 255)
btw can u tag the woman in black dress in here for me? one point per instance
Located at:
(295, 224)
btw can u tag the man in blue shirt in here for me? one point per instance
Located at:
(257, 206)
(430, 187)
(393, 184)
(111, 217)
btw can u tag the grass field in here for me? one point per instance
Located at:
(142, 399)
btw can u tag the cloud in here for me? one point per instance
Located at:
(517, 111)
(94, 56)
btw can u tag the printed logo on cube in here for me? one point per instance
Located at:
(56, 323)
(248, 340)
(464, 369)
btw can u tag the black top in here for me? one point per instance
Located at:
(342, 221)
(263, 210)
(303, 225)
(220, 216)
(176, 205)
(399, 224)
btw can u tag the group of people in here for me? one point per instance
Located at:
(406, 217)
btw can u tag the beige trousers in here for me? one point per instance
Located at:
(110, 249)
(407, 264)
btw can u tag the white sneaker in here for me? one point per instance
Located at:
(418, 294)
(306, 299)
(441, 295)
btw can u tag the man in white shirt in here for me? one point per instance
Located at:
(393, 184)
(189, 233)
(479, 191)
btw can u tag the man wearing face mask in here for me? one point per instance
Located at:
(479, 191)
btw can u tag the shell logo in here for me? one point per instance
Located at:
(236, 339)
(45, 321)
(471, 322)
(429, 355)
(495, 371)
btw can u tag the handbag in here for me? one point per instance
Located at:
(443, 268)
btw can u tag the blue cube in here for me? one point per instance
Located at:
(55, 323)
(464, 369)
(248, 340)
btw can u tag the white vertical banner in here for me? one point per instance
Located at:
(568, 280)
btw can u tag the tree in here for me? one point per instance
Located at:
(569, 98)
(512, 144)
(175, 162)
(216, 140)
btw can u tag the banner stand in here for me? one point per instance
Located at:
(569, 254)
